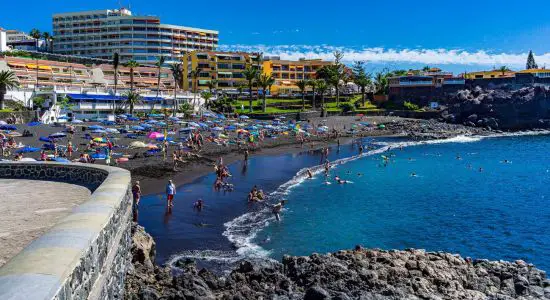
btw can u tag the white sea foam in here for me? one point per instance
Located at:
(242, 230)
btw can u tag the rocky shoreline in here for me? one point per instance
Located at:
(348, 274)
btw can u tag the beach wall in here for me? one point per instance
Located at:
(23, 116)
(86, 254)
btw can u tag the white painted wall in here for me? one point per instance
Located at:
(3, 41)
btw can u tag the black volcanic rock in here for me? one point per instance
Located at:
(351, 274)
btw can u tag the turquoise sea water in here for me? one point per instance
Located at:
(502, 212)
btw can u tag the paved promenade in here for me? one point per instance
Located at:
(28, 208)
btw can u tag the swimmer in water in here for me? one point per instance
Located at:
(480, 170)
(359, 174)
(413, 174)
(309, 174)
(277, 208)
(506, 161)
(458, 157)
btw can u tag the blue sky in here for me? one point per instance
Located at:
(457, 35)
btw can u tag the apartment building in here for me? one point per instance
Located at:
(224, 68)
(101, 33)
(287, 73)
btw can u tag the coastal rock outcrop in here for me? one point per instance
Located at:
(500, 108)
(349, 274)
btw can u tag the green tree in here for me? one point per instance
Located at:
(265, 82)
(8, 81)
(322, 87)
(116, 62)
(334, 74)
(504, 69)
(195, 76)
(251, 75)
(531, 64)
(131, 64)
(313, 84)
(132, 99)
(185, 108)
(361, 79)
(159, 65)
(212, 86)
(36, 35)
(48, 39)
(302, 84)
(177, 73)
(426, 68)
(206, 95)
(381, 83)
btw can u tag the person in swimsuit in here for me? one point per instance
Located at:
(277, 209)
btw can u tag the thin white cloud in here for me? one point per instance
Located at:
(382, 55)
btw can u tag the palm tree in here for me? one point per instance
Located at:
(131, 64)
(313, 84)
(504, 69)
(426, 68)
(116, 62)
(159, 64)
(338, 75)
(195, 75)
(250, 74)
(47, 38)
(206, 95)
(240, 88)
(36, 35)
(8, 81)
(322, 87)
(381, 82)
(177, 74)
(302, 84)
(212, 85)
(131, 100)
(265, 82)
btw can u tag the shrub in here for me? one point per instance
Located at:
(410, 106)
(347, 107)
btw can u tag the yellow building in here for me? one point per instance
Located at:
(540, 73)
(287, 73)
(225, 68)
(489, 74)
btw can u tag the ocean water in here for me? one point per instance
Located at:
(502, 212)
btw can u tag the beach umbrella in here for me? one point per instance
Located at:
(151, 146)
(193, 124)
(244, 117)
(185, 129)
(7, 127)
(155, 135)
(100, 140)
(137, 144)
(75, 121)
(27, 149)
(48, 147)
(28, 159)
(160, 139)
(140, 128)
(57, 135)
(173, 119)
(152, 121)
(231, 127)
(63, 118)
(3, 122)
(146, 125)
(112, 130)
(95, 127)
(32, 124)
(98, 156)
(381, 126)
(133, 119)
(161, 124)
(217, 129)
(44, 139)
(99, 131)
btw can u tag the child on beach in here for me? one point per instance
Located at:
(170, 192)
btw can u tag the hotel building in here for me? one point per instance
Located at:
(101, 33)
(287, 73)
(226, 68)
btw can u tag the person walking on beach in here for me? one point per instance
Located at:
(170, 192)
(246, 153)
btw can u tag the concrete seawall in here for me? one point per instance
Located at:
(86, 254)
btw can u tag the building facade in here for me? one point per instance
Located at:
(224, 68)
(101, 33)
(19, 40)
(287, 73)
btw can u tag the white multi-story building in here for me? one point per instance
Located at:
(101, 33)
(22, 41)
